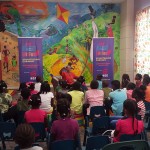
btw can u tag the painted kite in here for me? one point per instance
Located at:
(62, 14)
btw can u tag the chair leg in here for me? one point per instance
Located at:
(4, 145)
(84, 140)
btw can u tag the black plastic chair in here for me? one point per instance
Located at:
(130, 137)
(40, 132)
(97, 142)
(7, 131)
(64, 145)
(128, 145)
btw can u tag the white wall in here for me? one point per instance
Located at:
(127, 39)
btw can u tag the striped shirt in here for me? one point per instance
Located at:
(141, 105)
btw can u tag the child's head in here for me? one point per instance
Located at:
(105, 83)
(94, 84)
(25, 93)
(99, 77)
(64, 95)
(63, 107)
(125, 77)
(63, 84)
(32, 86)
(138, 76)
(35, 101)
(139, 93)
(131, 86)
(76, 86)
(38, 79)
(45, 87)
(115, 84)
(146, 79)
(22, 86)
(130, 108)
(24, 136)
(81, 79)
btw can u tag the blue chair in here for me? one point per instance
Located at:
(130, 137)
(40, 132)
(99, 125)
(97, 142)
(64, 145)
(128, 145)
(7, 131)
(113, 121)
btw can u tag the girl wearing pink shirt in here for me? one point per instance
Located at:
(130, 87)
(94, 96)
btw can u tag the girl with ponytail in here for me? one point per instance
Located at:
(128, 124)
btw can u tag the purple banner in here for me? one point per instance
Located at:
(103, 58)
(30, 59)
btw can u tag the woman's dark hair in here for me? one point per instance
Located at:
(76, 86)
(115, 84)
(94, 84)
(125, 80)
(138, 76)
(35, 101)
(132, 109)
(131, 86)
(45, 88)
(105, 83)
(24, 136)
(99, 77)
(25, 93)
(139, 93)
(63, 107)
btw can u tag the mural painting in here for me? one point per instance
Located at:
(67, 30)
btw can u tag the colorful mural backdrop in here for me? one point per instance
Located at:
(142, 42)
(67, 30)
(9, 58)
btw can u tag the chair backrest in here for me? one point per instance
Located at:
(64, 145)
(97, 111)
(40, 132)
(130, 137)
(100, 125)
(147, 106)
(20, 118)
(18, 148)
(128, 145)
(97, 142)
(7, 130)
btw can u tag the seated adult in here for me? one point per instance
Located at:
(118, 96)
(129, 124)
(68, 76)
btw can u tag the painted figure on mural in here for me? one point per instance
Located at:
(14, 61)
(6, 53)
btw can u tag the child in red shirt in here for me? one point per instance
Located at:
(35, 114)
(129, 124)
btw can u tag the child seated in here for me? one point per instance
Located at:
(64, 128)
(130, 87)
(129, 124)
(25, 137)
(35, 114)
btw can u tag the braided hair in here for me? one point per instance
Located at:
(132, 109)
(24, 135)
